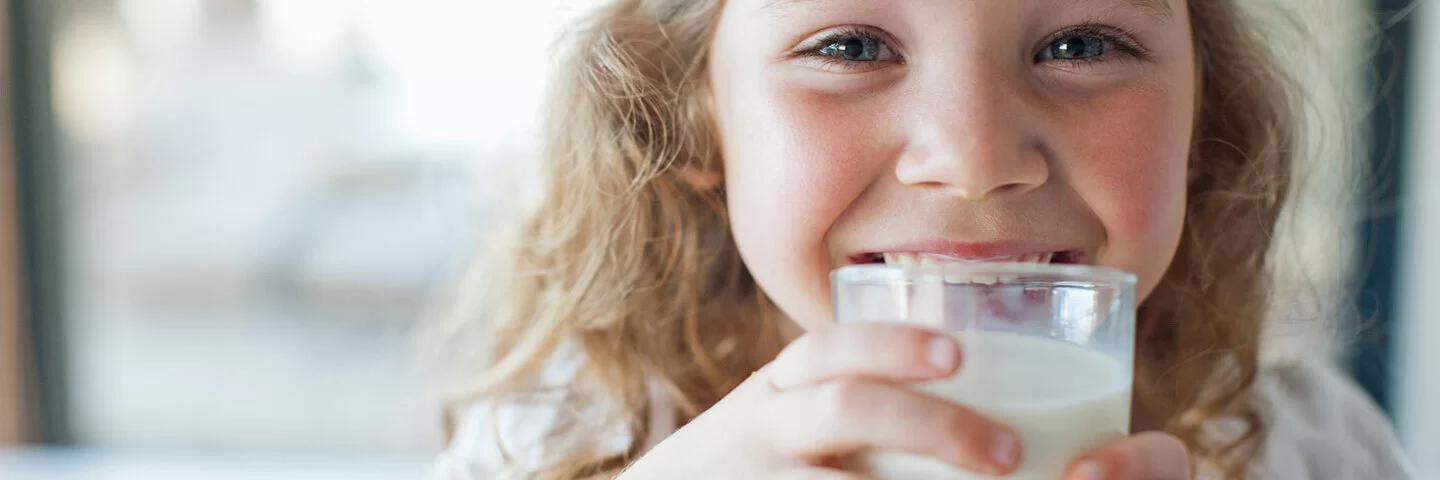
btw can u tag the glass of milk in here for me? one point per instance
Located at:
(1046, 349)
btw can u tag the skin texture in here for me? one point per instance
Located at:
(856, 127)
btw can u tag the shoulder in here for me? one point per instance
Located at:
(509, 438)
(495, 441)
(1324, 426)
(502, 438)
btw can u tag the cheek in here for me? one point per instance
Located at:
(794, 161)
(1132, 174)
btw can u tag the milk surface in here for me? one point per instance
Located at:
(1062, 399)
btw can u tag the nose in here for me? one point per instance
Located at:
(970, 138)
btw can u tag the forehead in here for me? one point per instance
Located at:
(1160, 9)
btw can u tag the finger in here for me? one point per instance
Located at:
(1145, 456)
(852, 415)
(819, 474)
(893, 352)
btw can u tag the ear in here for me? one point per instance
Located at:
(701, 179)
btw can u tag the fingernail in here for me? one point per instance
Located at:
(944, 353)
(1005, 450)
(1088, 470)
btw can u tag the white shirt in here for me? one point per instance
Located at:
(1323, 427)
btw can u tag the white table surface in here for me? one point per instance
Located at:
(54, 463)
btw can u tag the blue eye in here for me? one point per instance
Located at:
(851, 47)
(1077, 47)
(854, 49)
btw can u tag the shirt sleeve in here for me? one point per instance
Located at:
(495, 442)
(508, 439)
(503, 438)
(1323, 426)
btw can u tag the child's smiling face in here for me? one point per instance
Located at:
(1048, 129)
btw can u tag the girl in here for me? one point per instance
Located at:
(710, 162)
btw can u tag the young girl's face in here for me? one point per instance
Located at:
(938, 130)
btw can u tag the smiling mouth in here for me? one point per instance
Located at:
(1064, 257)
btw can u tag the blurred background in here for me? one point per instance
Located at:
(221, 221)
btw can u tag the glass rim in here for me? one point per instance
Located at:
(870, 272)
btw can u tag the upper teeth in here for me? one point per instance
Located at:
(911, 258)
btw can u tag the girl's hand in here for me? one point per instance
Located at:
(831, 393)
(1145, 456)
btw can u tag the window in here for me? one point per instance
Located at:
(259, 199)
(1417, 331)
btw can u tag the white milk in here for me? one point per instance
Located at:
(1061, 399)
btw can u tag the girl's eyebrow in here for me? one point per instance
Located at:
(1159, 8)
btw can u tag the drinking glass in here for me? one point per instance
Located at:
(1046, 349)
